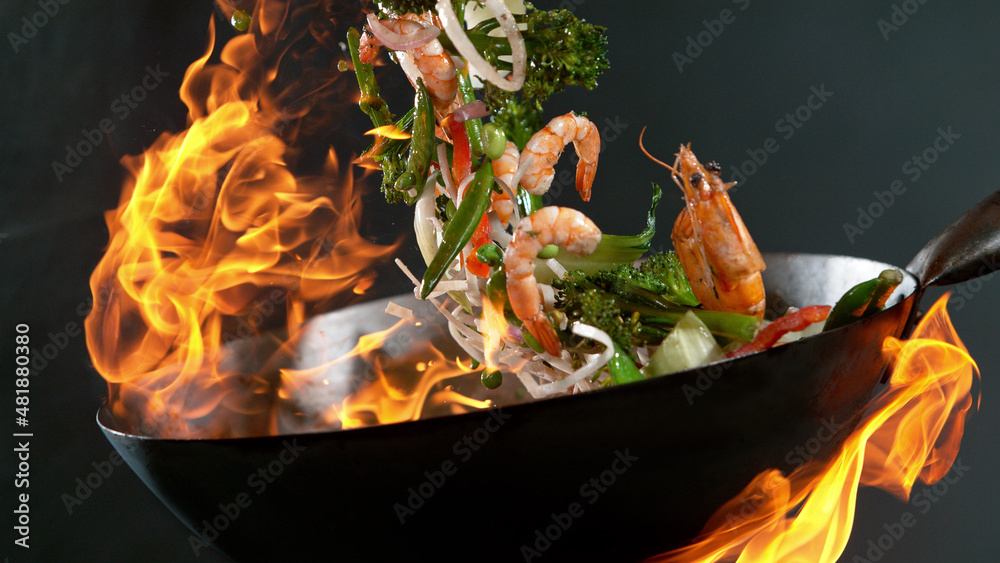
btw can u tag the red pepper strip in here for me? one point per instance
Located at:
(479, 238)
(792, 322)
(462, 167)
(462, 154)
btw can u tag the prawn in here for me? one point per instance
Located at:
(432, 62)
(720, 258)
(567, 228)
(505, 168)
(545, 147)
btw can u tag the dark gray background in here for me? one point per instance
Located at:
(890, 95)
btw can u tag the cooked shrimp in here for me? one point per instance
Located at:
(504, 169)
(431, 61)
(561, 226)
(720, 258)
(545, 147)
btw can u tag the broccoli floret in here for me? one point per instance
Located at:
(666, 268)
(659, 282)
(517, 118)
(598, 308)
(638, 306)
(563, 50)
(584, 298)
(401, 7)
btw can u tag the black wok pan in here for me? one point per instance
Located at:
(616, 474)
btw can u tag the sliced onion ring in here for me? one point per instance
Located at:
(519, 54)
(401, 42)
(471, 110)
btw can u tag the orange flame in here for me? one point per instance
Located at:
(912, 430)
(494, 327)
(389, 131)
(219, 252)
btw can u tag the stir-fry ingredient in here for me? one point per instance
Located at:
(564, 227)
(864, 299)
(538, 290)
(689, 345)
(721, 260)
(791, 322)
(639, 306)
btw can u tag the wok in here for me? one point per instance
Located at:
(616, 474)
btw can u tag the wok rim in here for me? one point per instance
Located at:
(108, 425)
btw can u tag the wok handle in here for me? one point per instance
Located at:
(965, 250)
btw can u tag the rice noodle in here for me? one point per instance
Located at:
(398, 311)
(519, 54)
(548, 294)
(462, 187)
(498, 233)
(513, 198)
(409, 67)
(556, 267)
(472, 290)
(407, 272)
(449, 183)
(589, 369)
(426, 225)
(444, 286)
(472, 351)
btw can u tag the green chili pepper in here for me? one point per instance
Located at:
(492, 379)
(864, 299)
(240, 20)
(421, 146)
(888, 280)
(473, 127)
(495, 141)
(622, 368)
(459, 229)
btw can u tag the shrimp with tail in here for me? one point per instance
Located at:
(567, 228)
(545, 147)
(720, 258)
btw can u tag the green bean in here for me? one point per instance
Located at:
(371, 103)
(473, 127)
(460, 228)
(622, 368)
(421, 145)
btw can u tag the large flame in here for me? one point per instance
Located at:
(912, 430)
(219, 251)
